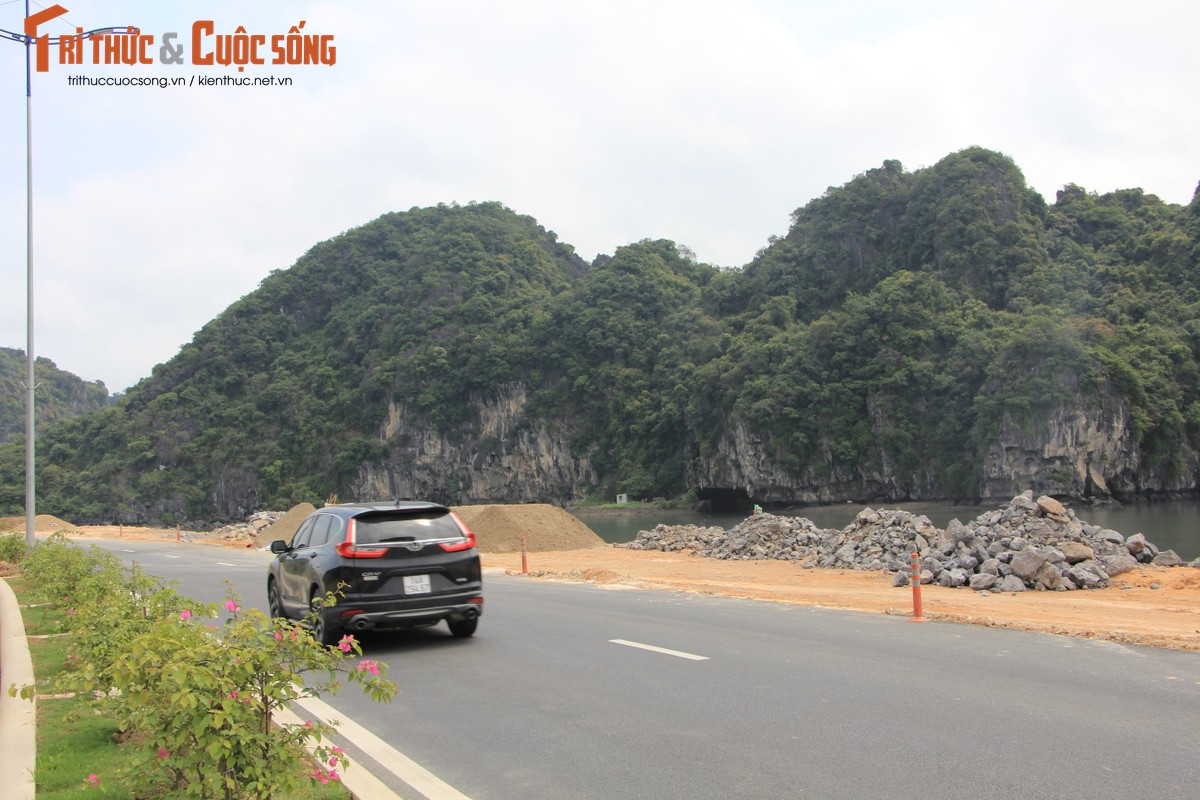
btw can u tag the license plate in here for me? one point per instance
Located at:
(417, 584)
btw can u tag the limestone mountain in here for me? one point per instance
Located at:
(59, 394)
(941, 333)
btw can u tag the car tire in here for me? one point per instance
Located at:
(274, 604)
(463, 627)
(322, 631)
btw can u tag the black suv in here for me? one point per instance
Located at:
(399, 564)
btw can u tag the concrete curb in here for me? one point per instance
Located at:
(18, 717)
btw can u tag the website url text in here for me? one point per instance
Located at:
(166, 83)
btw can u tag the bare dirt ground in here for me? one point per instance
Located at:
(1130, 611)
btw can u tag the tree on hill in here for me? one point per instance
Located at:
(59, 395)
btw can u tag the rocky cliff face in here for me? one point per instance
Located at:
(505, 459)
(1080, 451)
(742, 461)
(1067, 449)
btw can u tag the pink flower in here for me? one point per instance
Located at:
(333, 761)
(162, 752)
(308, 723)
(232, 606)
(70, 612)
(233, 695)
(337, 750)
(367, 665)
(346, 643)
(93, 780)
(185, 615)
(278, 635)
(325, 777)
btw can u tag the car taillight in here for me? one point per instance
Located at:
(351, 550)
(468, 538)
(348, 549)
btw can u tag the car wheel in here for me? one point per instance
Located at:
(274, 604)
(463, 627)
(322, 631)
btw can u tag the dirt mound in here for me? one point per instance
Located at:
(42, 523)
(499, 528)
(285, 527)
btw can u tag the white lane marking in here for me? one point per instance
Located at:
(226, 564)
(389, 757)
(355, 778)
(663, 650)
(129, 551)
(167, 556)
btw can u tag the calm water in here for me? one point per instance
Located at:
(1171, 525)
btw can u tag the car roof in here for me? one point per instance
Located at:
(386, 505)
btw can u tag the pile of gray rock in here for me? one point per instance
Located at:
(1029, 544)
(246, 531)
(763, 536)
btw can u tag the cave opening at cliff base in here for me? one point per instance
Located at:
(724, 501)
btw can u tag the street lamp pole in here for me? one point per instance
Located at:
(27, 38)
(30, 497)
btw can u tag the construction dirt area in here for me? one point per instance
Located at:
(1151, 605)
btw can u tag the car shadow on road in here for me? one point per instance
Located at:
(433, 638)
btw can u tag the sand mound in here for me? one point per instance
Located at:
(499, 528)
(285, 527)
(42, 523)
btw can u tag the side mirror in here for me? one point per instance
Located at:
(279, 546)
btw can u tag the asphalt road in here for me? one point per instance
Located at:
(577, 691)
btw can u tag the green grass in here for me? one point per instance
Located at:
(73, 739)
(73, 743)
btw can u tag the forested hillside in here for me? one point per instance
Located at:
(942, 333)
(60, 395)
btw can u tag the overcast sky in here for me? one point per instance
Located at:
(703, 121)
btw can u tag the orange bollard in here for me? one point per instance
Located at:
(917, 616)
(524, 558)
(177, 536)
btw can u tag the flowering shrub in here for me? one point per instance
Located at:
(56, 566)
(12, 548)
(204, 703)
(108, 607)
(200, 699)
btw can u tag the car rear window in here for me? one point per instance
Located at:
(390, 527)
